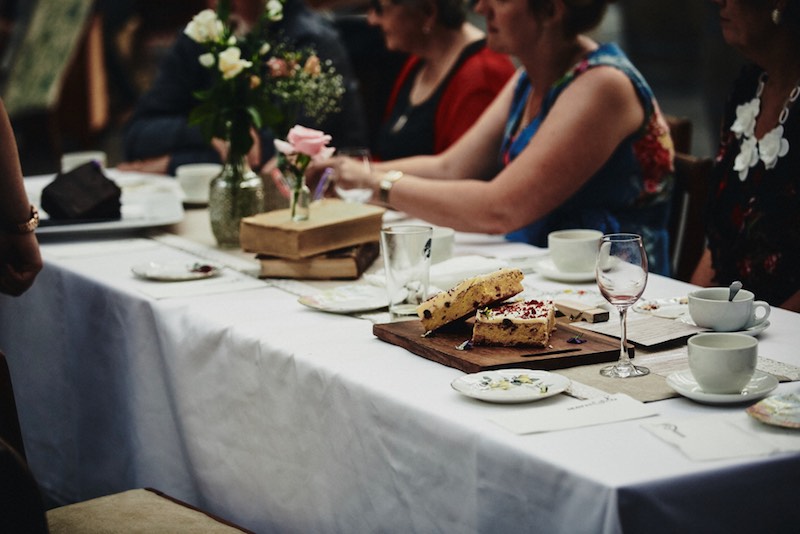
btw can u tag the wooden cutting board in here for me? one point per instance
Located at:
(441, 347)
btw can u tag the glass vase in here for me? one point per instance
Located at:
(301, 198)
(235, 193)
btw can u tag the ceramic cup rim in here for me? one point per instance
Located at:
(743, 295)
(746, 342)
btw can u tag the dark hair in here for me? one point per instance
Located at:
(450, 13)
(582, 15)
(791, 16)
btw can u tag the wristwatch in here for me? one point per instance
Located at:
(28, 226)
(387, 182)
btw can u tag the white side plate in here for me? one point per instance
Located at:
(511, 385)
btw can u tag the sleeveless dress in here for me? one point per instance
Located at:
(753, 221)
(630, 192)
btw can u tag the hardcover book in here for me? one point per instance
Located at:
(334, 224)
(344, 264)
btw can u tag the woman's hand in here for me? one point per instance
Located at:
(158, 165)
(349, 173)
(20, 262)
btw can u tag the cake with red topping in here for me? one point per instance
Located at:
(519, 323)
(468, 296)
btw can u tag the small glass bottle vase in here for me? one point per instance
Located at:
(235, 193)
(300, 197)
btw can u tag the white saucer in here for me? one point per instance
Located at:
(548, 269)
(752, 331)
(175, 271)
(510, 385)
(759, 386)
(348, 299)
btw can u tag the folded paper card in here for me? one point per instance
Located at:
(608, 409)
(333, 224)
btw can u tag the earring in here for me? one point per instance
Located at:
(776, 17)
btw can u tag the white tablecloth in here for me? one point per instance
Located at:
(286, 419)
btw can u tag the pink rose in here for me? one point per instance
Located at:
(306, 141)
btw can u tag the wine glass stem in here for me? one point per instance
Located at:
(624, 359)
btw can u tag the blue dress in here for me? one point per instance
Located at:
(630, 192)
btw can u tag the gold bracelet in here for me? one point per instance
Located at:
(387, 182)
(28, 226)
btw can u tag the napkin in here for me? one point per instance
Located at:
(597, 411)
(448, 273)
(716, 437)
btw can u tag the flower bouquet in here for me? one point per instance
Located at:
(302, 145)
(257, 82)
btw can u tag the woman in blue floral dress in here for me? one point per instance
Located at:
(753, 224)
(581, 141)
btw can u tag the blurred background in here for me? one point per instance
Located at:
(72, 70)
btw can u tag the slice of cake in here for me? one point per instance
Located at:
(84, 193)
(469, 295)
(519, 323)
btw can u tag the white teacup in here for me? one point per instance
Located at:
(195, 180)
(722, 362)
(574, 251)
(710, 308)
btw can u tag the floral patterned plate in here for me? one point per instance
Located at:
(175, 271)
(779, 410)
(510, 385)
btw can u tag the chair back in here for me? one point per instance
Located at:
(687, 224)
(9, 417)
(21, 505)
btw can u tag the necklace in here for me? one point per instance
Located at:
(772, 145)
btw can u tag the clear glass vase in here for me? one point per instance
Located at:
(300, 199)
(235, 193)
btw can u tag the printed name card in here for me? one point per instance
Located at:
(596, 411)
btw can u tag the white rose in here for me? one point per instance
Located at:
(773, 146)
(231, 64)
(204, 27)
(207, 60)
(274, 9)
(746, 114)
(748, 157)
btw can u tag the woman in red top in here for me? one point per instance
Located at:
(447, 82)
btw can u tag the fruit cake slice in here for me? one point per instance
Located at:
(469, 295)
(519, 323)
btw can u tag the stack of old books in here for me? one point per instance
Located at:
(339, 241)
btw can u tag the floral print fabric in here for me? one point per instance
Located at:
(631, 192)
(753, 224)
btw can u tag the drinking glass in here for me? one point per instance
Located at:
(622, 276)
(362, 155)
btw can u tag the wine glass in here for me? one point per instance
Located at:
(362, 155)
(622, 276)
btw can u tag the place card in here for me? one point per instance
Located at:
(596, 411)
(645, 330)
(715, 437)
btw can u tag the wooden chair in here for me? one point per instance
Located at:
(686, 224)
(137, 510)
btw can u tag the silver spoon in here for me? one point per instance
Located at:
(733, 289)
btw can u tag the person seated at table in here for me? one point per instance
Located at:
(158, 137)
(20, 258)
(446, 83)
(753, 216)
(581, 141)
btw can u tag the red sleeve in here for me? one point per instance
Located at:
(470, 91)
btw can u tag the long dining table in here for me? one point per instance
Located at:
(231, 395)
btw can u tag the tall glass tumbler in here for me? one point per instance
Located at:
(406, 251)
